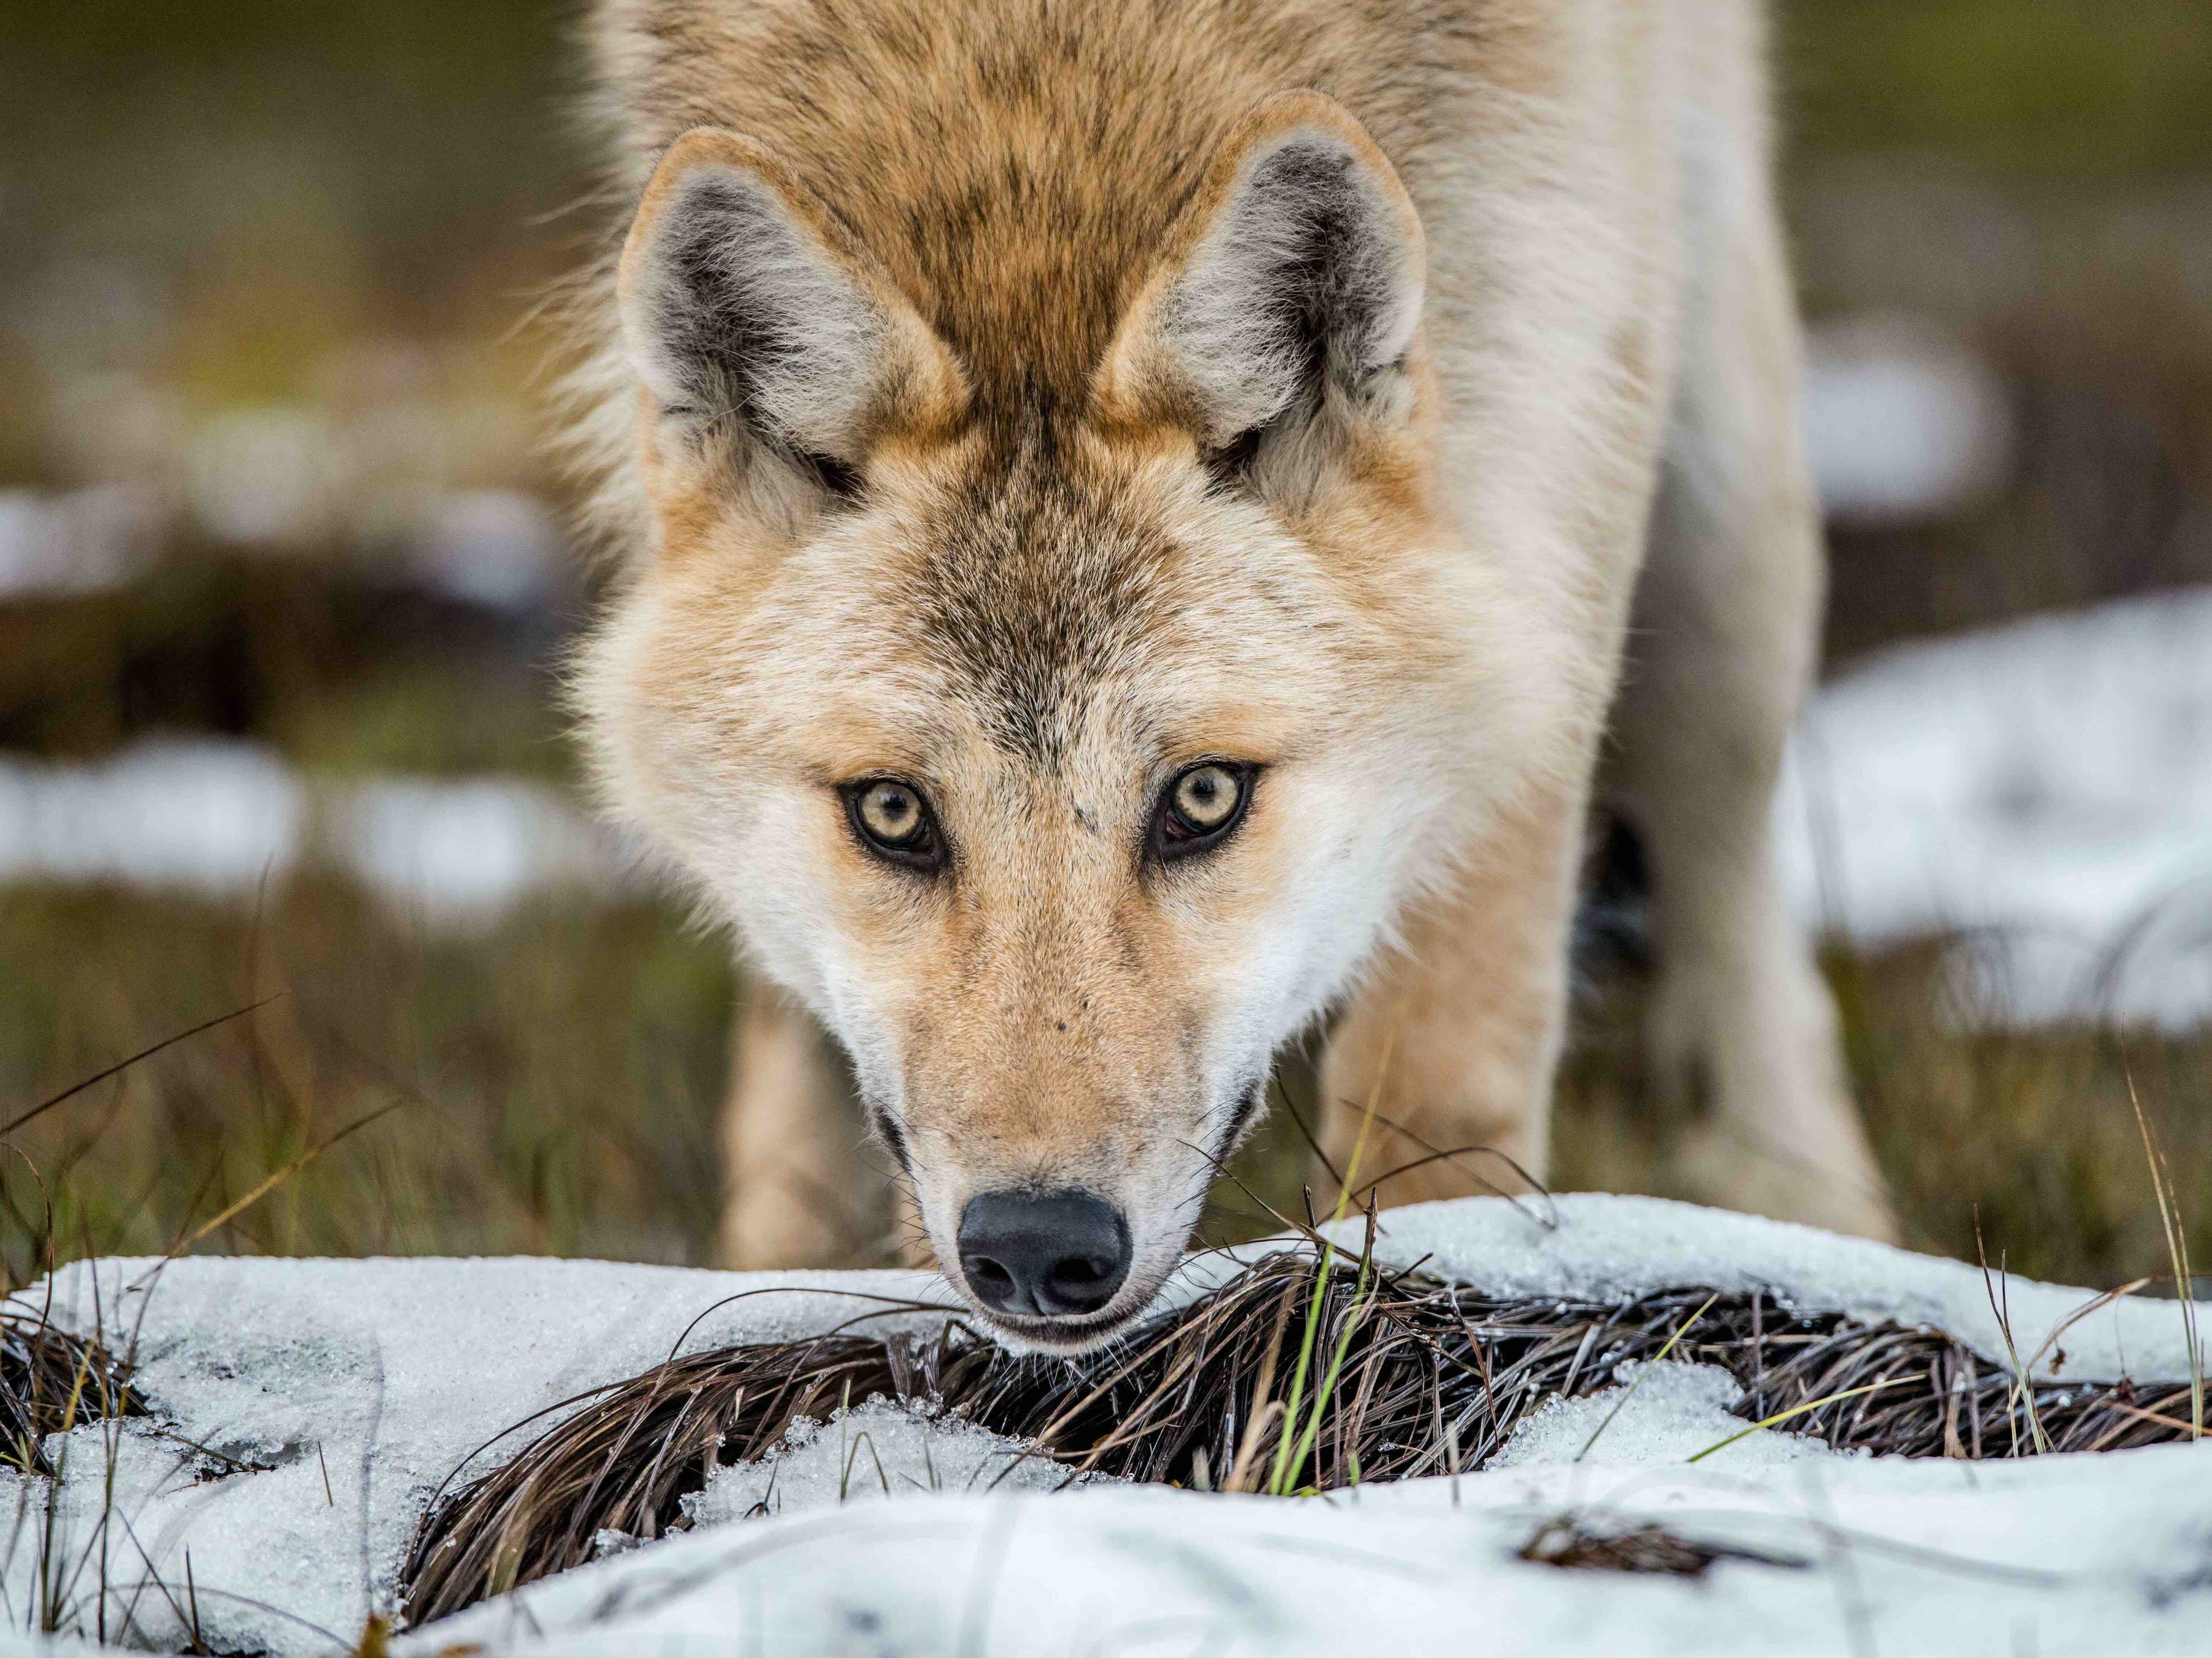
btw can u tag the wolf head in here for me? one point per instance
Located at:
(1063, 755)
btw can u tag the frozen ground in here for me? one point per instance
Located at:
(2053, 1558)
(326, 1400)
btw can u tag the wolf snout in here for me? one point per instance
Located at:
(1044, 1254)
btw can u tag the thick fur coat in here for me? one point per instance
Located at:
(1027, 408)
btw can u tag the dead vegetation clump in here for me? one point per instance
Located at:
(1573, 1544)
(1293, 1376)
(51, 1382)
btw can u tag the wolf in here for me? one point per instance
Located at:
(1144, 527)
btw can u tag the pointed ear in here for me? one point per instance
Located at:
(744, 306)
(1290, 296)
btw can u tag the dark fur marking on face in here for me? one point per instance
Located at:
(894, 1137)
(1038, 593)
(1247, 1109)
(724, 329)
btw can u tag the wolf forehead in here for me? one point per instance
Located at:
(1040, 590)
(1035, 594)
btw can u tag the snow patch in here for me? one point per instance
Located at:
(220, 818)
(80, 541)
(868, 1454)
(308, 1413)
(1608, 1247)
(1658, 1413)
(351, 1390)
(2086, 1556)
(1902, 425)
(2045, 787)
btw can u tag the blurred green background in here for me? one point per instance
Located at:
(274, 492)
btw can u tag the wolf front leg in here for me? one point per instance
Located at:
(799, 1188)
(1441, 1067)
(1741, 1033)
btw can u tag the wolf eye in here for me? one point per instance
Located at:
(1202, 806)
(893, 821)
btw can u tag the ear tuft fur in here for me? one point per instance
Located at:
(740, 303)
(1295, 283)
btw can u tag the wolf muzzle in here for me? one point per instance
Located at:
(1044, 1254)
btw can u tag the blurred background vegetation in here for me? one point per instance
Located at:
(273, 495)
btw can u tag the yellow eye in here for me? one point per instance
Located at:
(894, 820)
(891, 813)
(1207, 797)
(1202, 807)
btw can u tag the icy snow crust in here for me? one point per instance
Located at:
(379, 1377)
(382, 1376)
(2104, 1557)
(871, 1452)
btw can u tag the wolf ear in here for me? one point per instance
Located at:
(743, 306)
(1291, 294)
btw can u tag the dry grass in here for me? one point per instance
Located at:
(1431, 1378)
(1571, 1545)
(554, 1078)
(2034, 1131)
(51, 1382)
(561, 1074)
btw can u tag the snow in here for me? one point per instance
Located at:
(2043, 790)
(498, 548)
(262, 479)
(2067, 1555)
(1902, 425)
(349, 1390)
(871, 1452)
(376, 1376)
(205, 815)
(74, 542)
(1657, 1414)
(268, 476)
(454, 850)
(2045, 787)
(219, 817)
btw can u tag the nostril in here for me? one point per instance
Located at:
(1043, 1253)
(992, 1282)
(1083, 1283)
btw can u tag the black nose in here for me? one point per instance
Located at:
(1043, 1253)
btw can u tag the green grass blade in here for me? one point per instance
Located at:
(1780, 1416)
(1680, 1330)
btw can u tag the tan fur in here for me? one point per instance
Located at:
(1040, 605)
